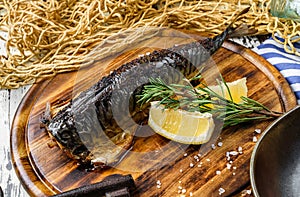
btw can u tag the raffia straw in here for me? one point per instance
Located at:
(44, 38)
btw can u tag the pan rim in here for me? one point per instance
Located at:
(258, 144)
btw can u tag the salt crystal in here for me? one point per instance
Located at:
(213, 146)
(254, 139)
(234, 167)
(185, 154)
(191, 165)
(257, 131)
(183, 191)
(228, 166)
(246, 192)
(158, 182)
(220, 144)
(233, 173)
(199, 165)
(158, 186)
(240, 148)
(179, 181)
(233, 153)
(180, 170)
(228, 156)
(191, 193)
(207, 159)
(218, 172)
(196, 157)
(221, 191)
(179, 187)
(148, 53)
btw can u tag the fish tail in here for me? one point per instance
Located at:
(230, 30)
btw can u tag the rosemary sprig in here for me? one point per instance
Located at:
(204, 99)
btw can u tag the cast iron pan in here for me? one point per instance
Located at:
(275, 162)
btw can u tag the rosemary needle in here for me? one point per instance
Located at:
(204, 99)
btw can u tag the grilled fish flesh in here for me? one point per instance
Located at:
(97, 127)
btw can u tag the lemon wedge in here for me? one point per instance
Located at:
(181, 126)
(237, 88)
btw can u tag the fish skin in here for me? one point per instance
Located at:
(97, 127)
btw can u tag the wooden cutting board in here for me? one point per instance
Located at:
(45, 171)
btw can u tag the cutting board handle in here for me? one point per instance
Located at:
(114, 186)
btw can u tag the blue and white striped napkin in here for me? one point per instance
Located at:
(287, 64)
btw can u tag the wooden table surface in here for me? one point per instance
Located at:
(9, 101)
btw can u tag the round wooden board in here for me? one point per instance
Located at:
(45, 171)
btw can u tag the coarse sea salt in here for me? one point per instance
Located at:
(221, 191)
(246, 192)
(258, 131)
(213, 146)
(158, 184)
(254, 139)
(240, 149)
(228, 166)
(233, 153)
